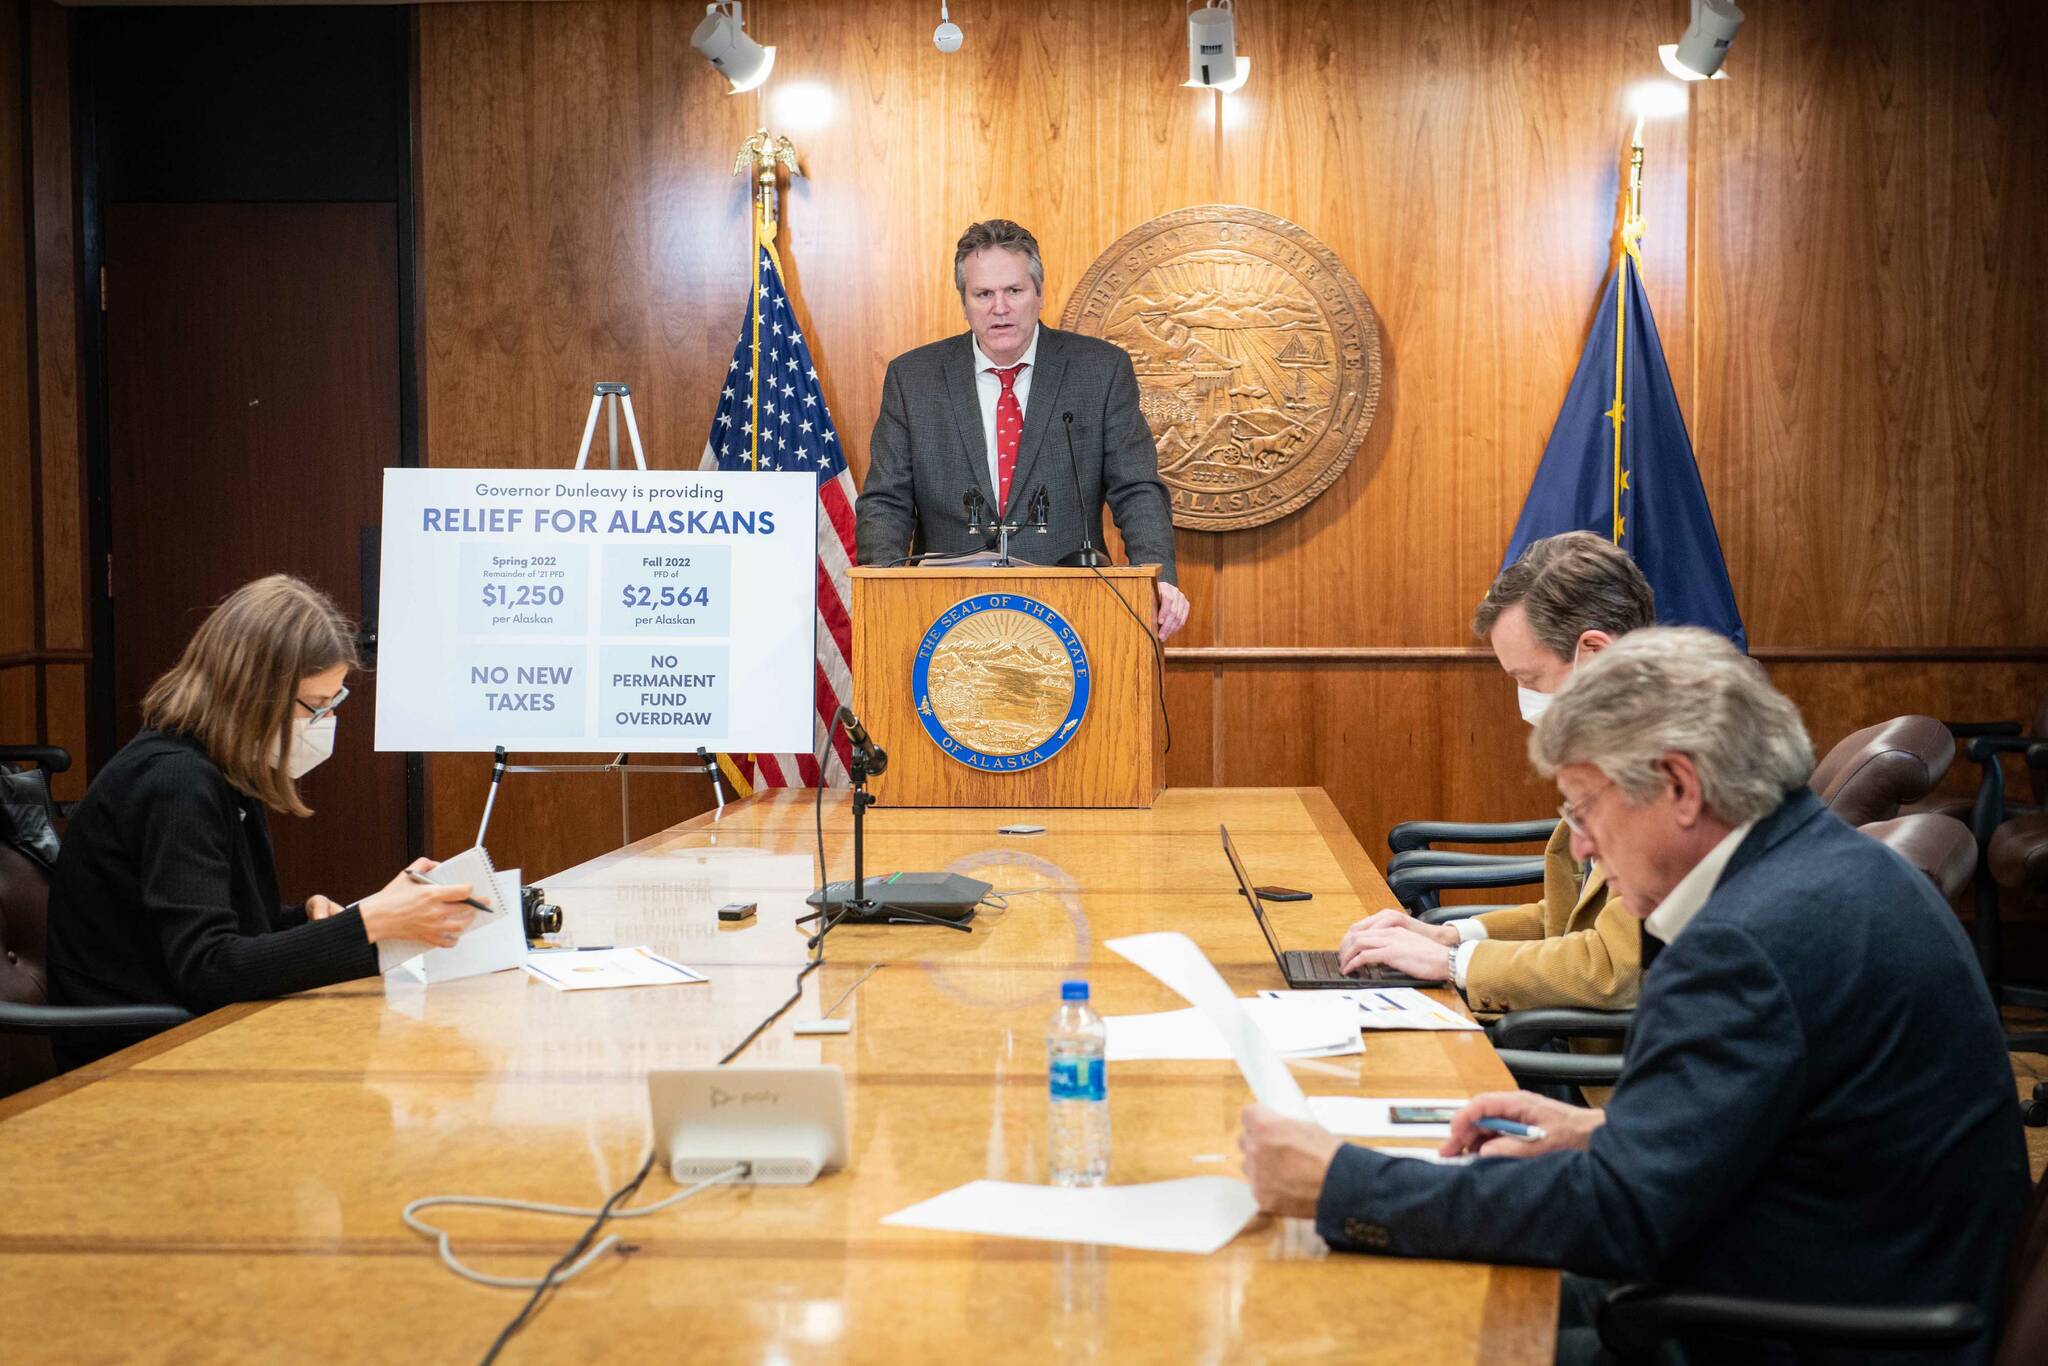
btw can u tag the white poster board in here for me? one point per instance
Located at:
(597, 611)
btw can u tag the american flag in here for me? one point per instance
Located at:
(792, 430)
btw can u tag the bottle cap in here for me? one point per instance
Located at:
(1073, 991)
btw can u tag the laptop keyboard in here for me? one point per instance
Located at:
(1321, 965)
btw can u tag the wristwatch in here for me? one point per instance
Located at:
(1451, 969)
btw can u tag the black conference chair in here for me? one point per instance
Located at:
(28, 852)
(1639, 1323)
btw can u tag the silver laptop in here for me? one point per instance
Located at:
(1310, 969)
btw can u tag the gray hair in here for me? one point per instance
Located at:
(1570, 584)
(997, 232)
(1678, 689)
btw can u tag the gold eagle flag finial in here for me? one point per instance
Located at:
(760, 154)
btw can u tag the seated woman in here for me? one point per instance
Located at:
(165, 892)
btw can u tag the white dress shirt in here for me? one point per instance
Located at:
(989, 389)
(1677, 910)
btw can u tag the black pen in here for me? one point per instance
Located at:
(426, 881)
(580, 948)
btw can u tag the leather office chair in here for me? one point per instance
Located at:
(28, 849)
(1875, 771)
(1635, 1321)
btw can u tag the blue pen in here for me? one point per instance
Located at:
(1528, 1133)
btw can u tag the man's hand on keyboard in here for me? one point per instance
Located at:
(1405, 951)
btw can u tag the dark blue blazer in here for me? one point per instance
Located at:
(1815, 1104)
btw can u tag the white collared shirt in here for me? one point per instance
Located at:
(1677, 910)
(989, 389)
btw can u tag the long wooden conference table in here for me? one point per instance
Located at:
(231, 1191)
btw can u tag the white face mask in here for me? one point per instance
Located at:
(312, 744)
(1533, 703)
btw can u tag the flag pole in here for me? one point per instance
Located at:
(759, 156)
(1631, 235)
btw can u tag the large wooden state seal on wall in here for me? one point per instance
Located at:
(1258, 358)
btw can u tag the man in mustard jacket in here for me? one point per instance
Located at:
(1566, 599)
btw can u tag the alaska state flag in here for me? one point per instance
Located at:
(1620, 464)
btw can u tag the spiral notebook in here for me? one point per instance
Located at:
(495, 939)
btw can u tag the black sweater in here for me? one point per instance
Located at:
(166, 894)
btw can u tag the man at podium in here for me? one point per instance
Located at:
(978, 428)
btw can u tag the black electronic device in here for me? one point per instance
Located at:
(1311, 969)
(1283, 894)
(735, 911)
(949, 896)
(539, 914)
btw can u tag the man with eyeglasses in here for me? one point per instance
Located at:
(1814, 1105)
(1559, 605)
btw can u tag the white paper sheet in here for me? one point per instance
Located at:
(1300, 1027)
(591, 969)
(1173, 958)
(1367, 1116)
(1390, 1008)
(1194, 1214)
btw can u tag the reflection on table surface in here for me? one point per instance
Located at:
(233, 1192)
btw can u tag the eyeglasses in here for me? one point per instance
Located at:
(327, 710)
(1573, 814)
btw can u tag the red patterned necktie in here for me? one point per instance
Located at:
(1009, 428)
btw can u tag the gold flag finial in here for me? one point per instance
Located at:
(760, 154)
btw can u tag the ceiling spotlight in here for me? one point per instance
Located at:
(947, 36)
(1213, 63)
(722, 38)
(1699, 54)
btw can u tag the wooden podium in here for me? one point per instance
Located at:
(1113, 757)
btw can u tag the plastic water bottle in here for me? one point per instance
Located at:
(1074, 1048)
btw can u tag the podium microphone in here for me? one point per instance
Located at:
(491, 799)
(1087, 556)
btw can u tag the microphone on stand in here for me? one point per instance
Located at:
(857, 735)
(491, 799)
(1040, 510)
(1087, 556)
(974, 505)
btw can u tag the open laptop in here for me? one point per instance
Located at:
(1310, 969)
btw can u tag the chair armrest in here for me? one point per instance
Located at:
(1530, 1028)
(1533, 1067)
(1444, 915)
(1635, 1318)
(52, 758)
(1449, 858)
(1420, 834)
(16, 1018)
(1970, 730)
(1407, 883)
(1984, 747)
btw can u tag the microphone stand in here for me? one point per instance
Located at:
(866, 759)
(1087, 557)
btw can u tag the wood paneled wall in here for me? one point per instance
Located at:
(1843, 256)
(43, 613)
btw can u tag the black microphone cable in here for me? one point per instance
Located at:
(1090, 554)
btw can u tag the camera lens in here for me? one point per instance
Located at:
(540, 916)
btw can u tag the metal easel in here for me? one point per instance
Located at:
(611, 397)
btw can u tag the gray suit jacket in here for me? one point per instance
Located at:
(928, 450)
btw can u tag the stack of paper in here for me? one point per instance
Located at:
(1298, 1025)
(1388, 1008)
(589, 969)
(1195, 1214)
